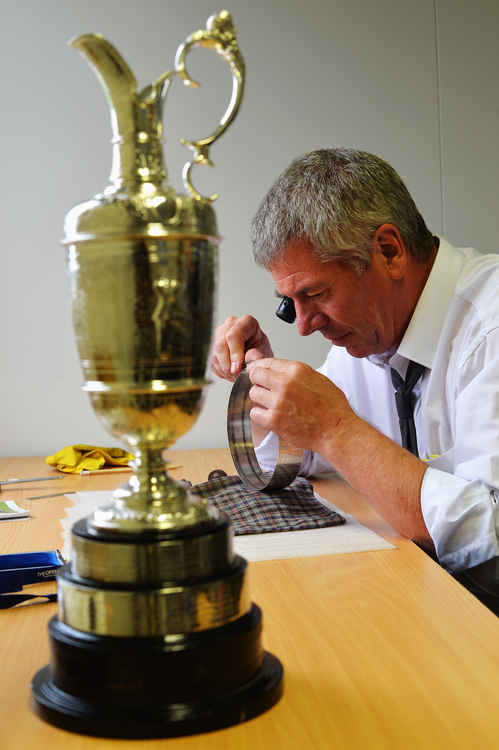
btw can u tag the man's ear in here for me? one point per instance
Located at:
(391, 250)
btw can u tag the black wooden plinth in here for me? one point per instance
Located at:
(157, 687)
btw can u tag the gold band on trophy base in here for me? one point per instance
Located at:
(156, 634)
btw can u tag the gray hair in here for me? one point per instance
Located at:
(336, 199)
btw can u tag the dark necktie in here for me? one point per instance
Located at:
(404, 399)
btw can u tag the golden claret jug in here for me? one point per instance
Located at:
(156, 633)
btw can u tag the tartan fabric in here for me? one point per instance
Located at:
(253, 512)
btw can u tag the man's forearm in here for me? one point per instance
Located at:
(389, 476)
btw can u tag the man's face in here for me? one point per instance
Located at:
(357, 312)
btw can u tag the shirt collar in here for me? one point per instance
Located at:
(420, 340)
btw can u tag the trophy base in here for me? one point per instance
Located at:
(145, 688)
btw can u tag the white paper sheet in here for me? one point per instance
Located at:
(349, 537)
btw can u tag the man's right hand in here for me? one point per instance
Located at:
(238, 340)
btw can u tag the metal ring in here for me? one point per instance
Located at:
(243, 450)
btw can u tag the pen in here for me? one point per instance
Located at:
(85, 472)
(10, 600)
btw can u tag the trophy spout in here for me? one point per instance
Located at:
(120, 87)
(136, 117)
(116, 77)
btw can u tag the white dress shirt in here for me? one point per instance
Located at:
(454, 332)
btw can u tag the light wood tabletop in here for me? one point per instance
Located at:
(381, 649)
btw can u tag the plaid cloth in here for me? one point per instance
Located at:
(255, 512)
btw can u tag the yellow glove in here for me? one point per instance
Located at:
(75, 458)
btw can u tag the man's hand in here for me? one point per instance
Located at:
(302, 406)
(238, 340)
(308, 411)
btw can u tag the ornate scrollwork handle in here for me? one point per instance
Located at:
(219, 35)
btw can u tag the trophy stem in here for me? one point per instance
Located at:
(151, 500)
(151, 476)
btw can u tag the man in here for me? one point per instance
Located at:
(344, 241)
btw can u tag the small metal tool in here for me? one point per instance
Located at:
(31, 479)
(53, 494)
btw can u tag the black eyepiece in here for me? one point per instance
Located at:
(286, 310)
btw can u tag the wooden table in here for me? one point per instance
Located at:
(380, 649)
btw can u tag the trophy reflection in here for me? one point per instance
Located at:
(156, 633)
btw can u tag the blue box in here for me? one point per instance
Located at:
(19, 570)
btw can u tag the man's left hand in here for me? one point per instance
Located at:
(299, 404)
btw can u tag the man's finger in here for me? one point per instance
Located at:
(263, 373)
(261, 396)
(252, 355)
(237, 337)
(272, 363)
(221, 372)
(270, 371)
(221, 356)
(260, 417)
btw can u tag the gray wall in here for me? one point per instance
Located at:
(415, 82)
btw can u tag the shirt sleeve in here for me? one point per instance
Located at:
(460, 489)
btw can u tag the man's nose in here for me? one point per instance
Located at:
(308, 321)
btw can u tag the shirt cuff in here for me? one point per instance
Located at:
(267, 452)
(313, 463)
(462, 518)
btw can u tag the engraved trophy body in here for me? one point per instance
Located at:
(156, 634)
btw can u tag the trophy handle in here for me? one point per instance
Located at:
(219, 35)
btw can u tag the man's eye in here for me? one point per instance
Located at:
(313, 295)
